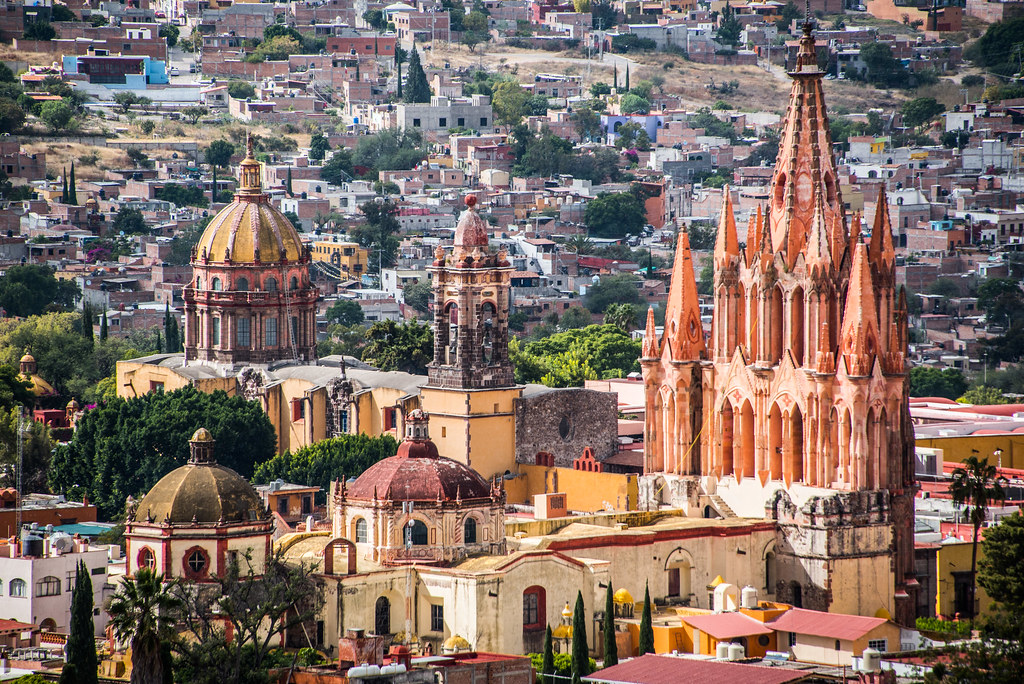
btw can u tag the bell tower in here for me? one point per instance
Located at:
(471, 386)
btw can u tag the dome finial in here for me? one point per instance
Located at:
(248, 145)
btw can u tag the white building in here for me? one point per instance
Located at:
(37, 588)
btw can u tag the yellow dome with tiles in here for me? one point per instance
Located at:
(249, 230)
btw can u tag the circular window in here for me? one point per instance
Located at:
(564, 427)
(762, 640)
(196, 562)
(146, 559)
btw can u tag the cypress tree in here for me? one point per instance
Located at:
(288, 182)
(611, 649)
(615, 83)
(398, 70)
(72, 192)
(159, 341)
(81, 646)
(416, 87)
(64, 187)
(87, 321)
(103, 327)
(646, 629)
(580, 651)
(627, 78)
(548, 666)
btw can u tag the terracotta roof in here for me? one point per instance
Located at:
(655, 669)
(418, 473)
(831, 625)
(15, 626)
(727, 625)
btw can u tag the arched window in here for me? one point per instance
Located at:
(534, 609)
(48, 586)
(199, 283)
(295, 283)
(18, 589)
(361, 531)
(270, 284)
(146, 559)
(242, 284)
(469, 531)
(196, 562)
(419, 533)
(215, 285)
(382, 616)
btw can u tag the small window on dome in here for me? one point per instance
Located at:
(196, 562)
(146, 558)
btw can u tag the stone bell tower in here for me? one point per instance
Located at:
(471, 386)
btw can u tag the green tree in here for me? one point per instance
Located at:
(14, 390)
(882, 68)
(81, 645)
(276, 49)
(598, 89)
(12, 117)
(611, 649)
(345, 312)
(143, 614)
(624, 316)
(612, 215)
(920, 110)
(171, 33)
(104, 330)
(72, 187)
(509, 103)
(1002, 300)
(321, 463)
(218, 154)
(588, 124)
(475, 30)
(389, 150)
(417, 295)
(86, 325)
(318, 147)
(39, 30)
(1000, 571)
(632, 135)
(789, 12)
(566, 359)
(983, 395)
(37, 447)
(548, 663)
(194, 113)
(125, 99)
(617, 289)
(646, 628)
(261, 602)
(580, 650)
(57, 115)
(634, 104)
(407, 347)
(31, 289)
(241, 90)
(730, 28)
(416, 87)
(380, 232)
(129, 221)
(171, 332)
(975, 486)
(124, 447)
(339, 168)
(575, 317)
(933, 382)
(375, 18)
(999, 48)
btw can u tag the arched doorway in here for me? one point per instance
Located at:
(382, 616)
(727, 439)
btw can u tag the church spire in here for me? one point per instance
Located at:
(819, 249)
(754, 227)
(727, 245)
(882, 252)
(859, 342)
(684, 333)
(650, 344)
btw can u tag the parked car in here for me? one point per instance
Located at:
(174, 71)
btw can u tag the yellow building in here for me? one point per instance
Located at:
(348, 257)
(953, 576)
(955, 449)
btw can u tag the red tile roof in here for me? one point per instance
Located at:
(655, 669)
(15, 626)
(727, 625)
(831, 625)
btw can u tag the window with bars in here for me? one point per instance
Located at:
(880, 645)
(436, 618)
(243, 334)
(270, 332)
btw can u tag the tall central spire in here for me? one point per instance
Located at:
(805, 162)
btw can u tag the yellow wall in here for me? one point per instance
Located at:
(353, 258)
(135, 379)
(588, 492)
(867, 584)
(475, 427)
(950, 558)
(956, 449)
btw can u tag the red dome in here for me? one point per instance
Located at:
(418, 473)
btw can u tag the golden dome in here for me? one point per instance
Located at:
(622, 596)
(201, 435)
(567, 612)
(39, 387)
(562, 632)
(456, 643)
(250, 228)
(205, 493)
(72, 404)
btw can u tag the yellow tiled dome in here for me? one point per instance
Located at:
(622, 596)
(250, 226)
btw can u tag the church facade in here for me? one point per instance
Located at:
(797, 409)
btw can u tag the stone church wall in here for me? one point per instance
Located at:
(563, 422)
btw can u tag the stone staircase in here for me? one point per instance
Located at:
(723, 508)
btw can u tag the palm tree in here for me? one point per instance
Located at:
(976, 485)
(142, 613)
(580, 244)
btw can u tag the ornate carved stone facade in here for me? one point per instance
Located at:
(471, 295)
(801, 399)
(250, 300)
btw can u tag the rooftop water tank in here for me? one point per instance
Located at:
(748, 597)
(31, 545)
(722, 650)
(871, 660)
(737, 652)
